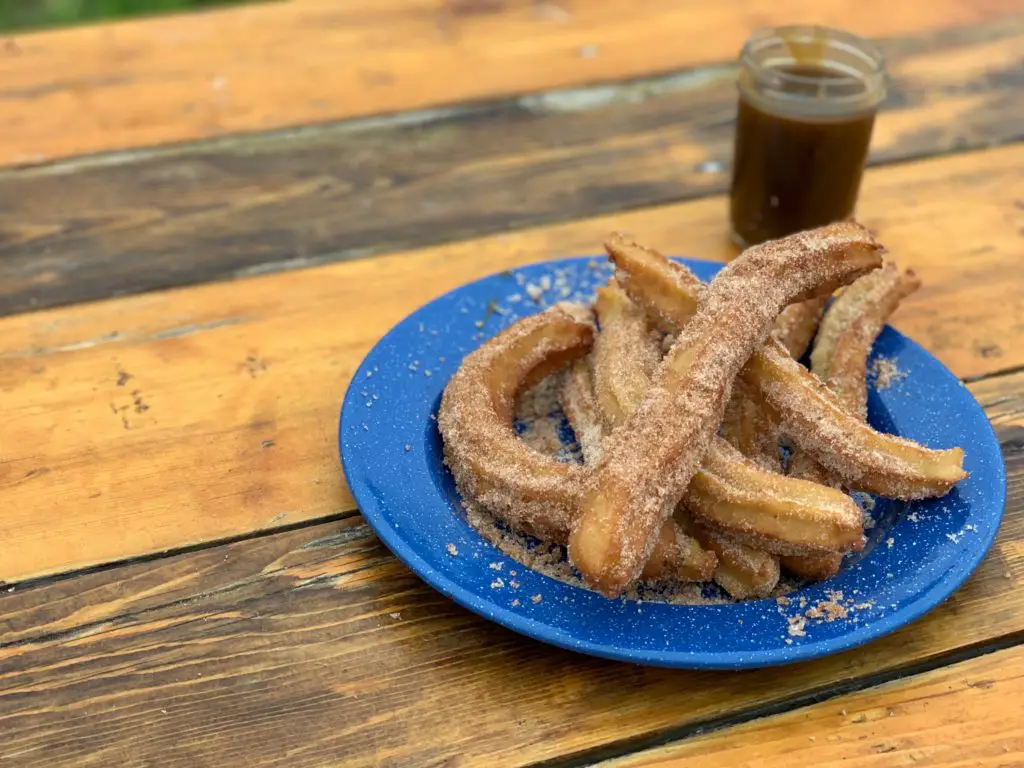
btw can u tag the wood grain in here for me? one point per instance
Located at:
(195, 415)
(316, 647)
(95, 228)
(173, 79)
(967, 714)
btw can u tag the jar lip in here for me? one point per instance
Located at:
(868, 56)
(852, 70)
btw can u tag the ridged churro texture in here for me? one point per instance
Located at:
(532, 492)
(649, 462)
(839, 358)
(807, 411)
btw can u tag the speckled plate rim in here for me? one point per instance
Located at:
(362, 487)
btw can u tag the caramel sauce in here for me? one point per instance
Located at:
(796, 171)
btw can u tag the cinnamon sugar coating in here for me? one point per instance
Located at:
(649, 462)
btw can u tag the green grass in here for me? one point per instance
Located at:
(31, 14)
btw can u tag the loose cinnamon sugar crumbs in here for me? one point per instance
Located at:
(828, 610)
(536, 599)
(452, 550)
(885, 372)
(796, 626)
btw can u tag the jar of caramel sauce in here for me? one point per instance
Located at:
(807, 102)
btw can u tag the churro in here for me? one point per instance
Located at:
(850, 328)
(769, 511)
(649, 462)
(744, 572)
(864, 459)
(748, 426)
(807, 411)
(795, 327)
(623, 355)
(676, 554)
(581, 410)
(532, 492)
(839, 359)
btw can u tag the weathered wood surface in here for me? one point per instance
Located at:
(317, 647)
(966, 714)
(233, 389)
(273, 65)
(100, 227)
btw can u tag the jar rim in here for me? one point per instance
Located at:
(852, 67)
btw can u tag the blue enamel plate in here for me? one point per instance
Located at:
(917, 553)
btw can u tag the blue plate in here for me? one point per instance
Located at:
(917, 554)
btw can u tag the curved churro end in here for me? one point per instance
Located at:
(532, 492)
(660, 446)
(669, 288)
(769, 511)
(869, 302)
(591, 546)
(811, 415)
(803, 266)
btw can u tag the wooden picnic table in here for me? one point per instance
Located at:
(207, 220)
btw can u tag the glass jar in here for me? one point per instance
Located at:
(807, 102)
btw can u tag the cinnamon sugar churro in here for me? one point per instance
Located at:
(676, 554)
(649, 462)
(581, 410)
(807, 411)
(532, 492)
(660, 495)
(624, 355)
(839, 359)
(795, 327)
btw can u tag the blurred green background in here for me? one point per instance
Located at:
(29, 14)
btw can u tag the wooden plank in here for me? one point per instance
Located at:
(91, 229)
(173, 79)
(316, 647)
(109, 407)
(967, 714)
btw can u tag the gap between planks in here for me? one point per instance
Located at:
(954, 220)
(178, 78)
(593, 758)
(247, 206)
(353, 511)
(967, 696)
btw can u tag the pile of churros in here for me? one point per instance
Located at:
(680, 394)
